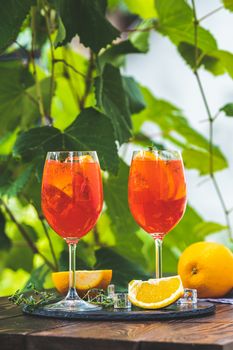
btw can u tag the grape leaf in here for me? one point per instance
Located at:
(210, 63)
(18, 103)
(87, 19)
(12, 15)
(91, 130)
(12, 187)
(137, 42)
(228, 109)
(176, 21)
(134, 95)
(176, 129)
(200, 159)
(111, 99)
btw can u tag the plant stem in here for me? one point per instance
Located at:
(211, 13)
(37, 83)
(50, 242)
(52, 78)
(25, 235)
(88, 80)
(56, 60)
(211, 120)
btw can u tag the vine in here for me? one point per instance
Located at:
(211, 119)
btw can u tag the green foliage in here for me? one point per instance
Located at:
(36, 142)
(228, 109)
(141, 8)
(137, 42)
(12, 15)
(111, 98)
(76, 98)
(228, 4)
(176, 129)
(87, 19)
(175, 20)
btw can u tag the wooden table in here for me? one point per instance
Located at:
(20, 332)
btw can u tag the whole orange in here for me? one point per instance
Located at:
(207, 267)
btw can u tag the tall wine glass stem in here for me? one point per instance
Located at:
(72, 293)
(158, 257)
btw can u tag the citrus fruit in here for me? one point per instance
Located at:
(207, 267)
(145, 155)
(155, 293)
(85, 280)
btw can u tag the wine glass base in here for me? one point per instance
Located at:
(70, 306)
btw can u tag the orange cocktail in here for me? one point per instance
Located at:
(157, 191)
(72, 200)
(72, 195)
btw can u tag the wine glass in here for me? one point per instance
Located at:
(157, 194)
(72, 200)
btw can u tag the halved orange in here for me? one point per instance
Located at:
(85, 280)
(155, 293)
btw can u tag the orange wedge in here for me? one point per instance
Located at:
(155, 293)
(85, 280)
(145, 155)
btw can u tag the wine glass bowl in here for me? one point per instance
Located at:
(72, 195)
(157, 192)
(72, 200)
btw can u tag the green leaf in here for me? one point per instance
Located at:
(137, 42)
(134, 95)
(200, 159)
(38, 277)
(123, 225)
(111, 98)
(228, 4)
(20, 256)
(87, 19)
(145, 9)
(12, 15)
(228, 109)
(176, 22)
(61, 33)
(5, 242)
(91, 130)
(210, 63)
(13, 187)
(123, 269)
(18, 102)
(177, 129)
(206, 228)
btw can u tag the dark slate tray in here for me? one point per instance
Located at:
(173, 311)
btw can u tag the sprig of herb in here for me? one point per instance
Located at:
(32, 298)
(99, 297)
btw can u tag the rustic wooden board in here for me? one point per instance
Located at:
(214, 332)
(171, 312)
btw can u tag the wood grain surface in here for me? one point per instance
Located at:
(22, 332)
